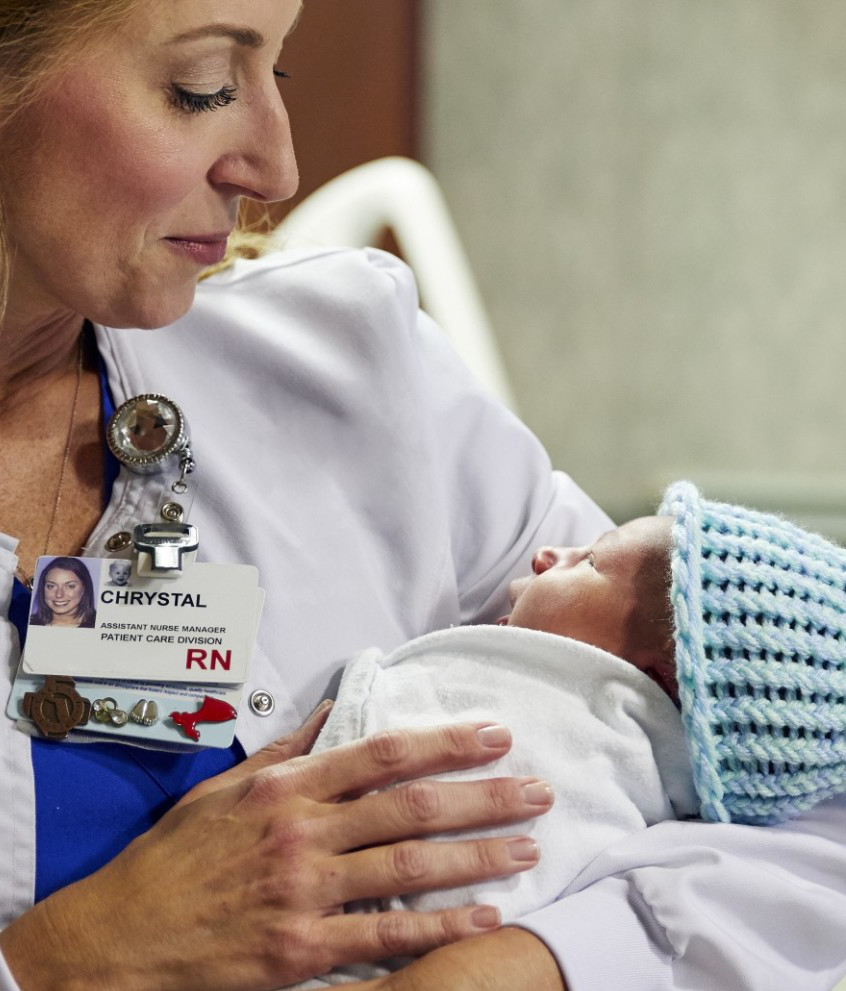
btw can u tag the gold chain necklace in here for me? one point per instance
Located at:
(24, 577)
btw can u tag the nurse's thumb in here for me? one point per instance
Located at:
(295, 744)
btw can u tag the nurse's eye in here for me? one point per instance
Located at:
(195, 103)
(281, 75)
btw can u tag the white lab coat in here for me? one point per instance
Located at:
(343, 450)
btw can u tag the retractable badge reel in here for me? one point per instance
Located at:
(149, 435)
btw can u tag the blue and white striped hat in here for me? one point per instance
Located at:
(760, 633)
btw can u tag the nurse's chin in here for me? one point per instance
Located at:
(151, 308)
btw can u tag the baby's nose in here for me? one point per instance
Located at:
(547, 557)
(544, 558)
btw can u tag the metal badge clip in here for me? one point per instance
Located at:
(165, 548)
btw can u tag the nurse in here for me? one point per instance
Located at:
(131, 131)
(343, 451)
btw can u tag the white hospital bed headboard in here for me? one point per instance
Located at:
(403, 196)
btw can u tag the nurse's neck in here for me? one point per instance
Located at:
(36, 353)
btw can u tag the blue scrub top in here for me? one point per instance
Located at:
(91, 800)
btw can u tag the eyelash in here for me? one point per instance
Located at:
(196, 103)
(591, 560)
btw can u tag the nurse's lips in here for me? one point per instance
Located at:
(205, 249)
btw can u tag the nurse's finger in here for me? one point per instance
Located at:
(418, 865)
(424, 807)
(356, 938)
(295, 744)
(396, 755)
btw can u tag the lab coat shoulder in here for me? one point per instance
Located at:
(347, 327)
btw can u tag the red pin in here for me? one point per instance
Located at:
(211, 711)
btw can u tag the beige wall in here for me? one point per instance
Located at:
(653, 197)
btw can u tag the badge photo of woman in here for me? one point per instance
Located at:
(64, 595)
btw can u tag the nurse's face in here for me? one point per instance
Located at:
(122, 182)
(63, 593)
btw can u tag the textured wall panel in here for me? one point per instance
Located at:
(653, 196)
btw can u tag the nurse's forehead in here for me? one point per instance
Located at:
(241, 34)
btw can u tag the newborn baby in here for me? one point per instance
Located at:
(684, 665)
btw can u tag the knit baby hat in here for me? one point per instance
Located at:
(760, 634)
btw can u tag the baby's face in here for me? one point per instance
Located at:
(119, 572)
(613, 594)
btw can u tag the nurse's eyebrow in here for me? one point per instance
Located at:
(245, 36)
(242, 35)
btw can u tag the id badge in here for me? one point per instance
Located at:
(95, 618)
(133, 657)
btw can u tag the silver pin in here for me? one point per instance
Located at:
(145, 713)
(172, 512)
(106, 711)
(101, 709)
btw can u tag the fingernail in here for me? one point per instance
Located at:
(486, 917)
(524, 851)
(495, 737)
(324, 705)
(537, 793)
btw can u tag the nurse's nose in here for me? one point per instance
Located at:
(261, 163)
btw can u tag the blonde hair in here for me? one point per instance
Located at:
(250, 239)
(41, 37)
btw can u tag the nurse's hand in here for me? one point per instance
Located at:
(242, 885)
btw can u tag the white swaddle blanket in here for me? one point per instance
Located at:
(605, 736)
